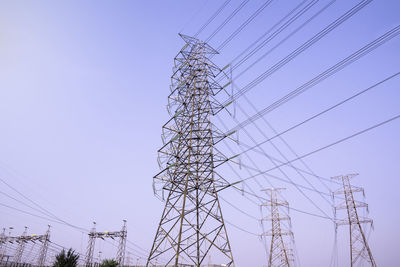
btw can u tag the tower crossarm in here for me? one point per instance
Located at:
(355, 204)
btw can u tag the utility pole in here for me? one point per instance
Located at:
(280, 253)
(192, 225)
(43, 250)
(359, 248)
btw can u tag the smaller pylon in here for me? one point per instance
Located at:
(90, 248)
(3, 240)
(280, 253)
(44, 248)
(122, 245)
(20, 248)
(359, 248)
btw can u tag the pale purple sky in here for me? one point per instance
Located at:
(83, 91)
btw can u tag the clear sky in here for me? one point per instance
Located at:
(83, 94)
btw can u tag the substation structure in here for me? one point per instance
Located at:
(93, 235)
(15, 260)
(192, 226)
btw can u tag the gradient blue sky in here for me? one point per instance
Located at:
(83, 90)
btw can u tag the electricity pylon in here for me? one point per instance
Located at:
(3, 240)
(280, 251)
(43, 250)
(122, 245)
(122, 235)
(359, 249)
(21, 247)
(192, 225)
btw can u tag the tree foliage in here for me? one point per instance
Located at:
(66, 259)
(109, 263)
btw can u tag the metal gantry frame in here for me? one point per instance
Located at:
(93, 235)
(192, 226)
(22, 241)
(281, 244)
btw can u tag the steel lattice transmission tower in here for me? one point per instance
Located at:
(192, 225)
(21, 247)
(280, 250)
(93, 235)
(359, 249)
(43, 250)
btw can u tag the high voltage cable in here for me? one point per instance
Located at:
(194, 15)
(262, 199)
(212, 17)
(23, 203)
(244, 24)
(272, 36)
(280, 152)
(269, 30)
(280, 170)
(299, 50)
(241, 229)
(322, 76)
(227, 20)
(55, 220)
(252, 148)
(37, 205)
(325, 147)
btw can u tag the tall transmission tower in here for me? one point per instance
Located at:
(359, 248)
(93, 235)
(280, 251)
(192, 225)
(21, 247)
(43, 250)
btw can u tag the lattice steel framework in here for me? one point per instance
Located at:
(21, 246)
(43, 250)
(3, 246)
(192, 225)
(93, 235)
(280, 250)
(359, 248)
(22, 240)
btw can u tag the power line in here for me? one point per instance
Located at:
(299, 50)
(252, 148)
(227, 20)
(322, 76)
(216, 13)
(325, 147)
(244, 24)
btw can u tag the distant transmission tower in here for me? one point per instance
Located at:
(122, 235)
(3, 240)
(192, 225)
(359, 249)
(21, 247)
(280, 251)
(43, 250)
